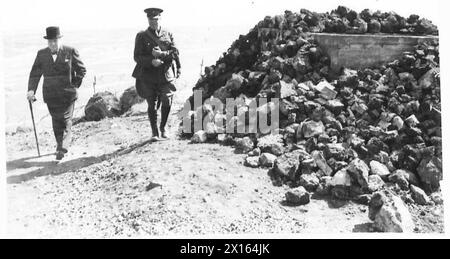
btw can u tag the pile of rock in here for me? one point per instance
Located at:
(348, 135)
(278, 46)
(345, 20)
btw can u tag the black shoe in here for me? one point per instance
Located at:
(59, 155)
(164, 135)
(154, 138)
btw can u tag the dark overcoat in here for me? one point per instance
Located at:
(62, 77)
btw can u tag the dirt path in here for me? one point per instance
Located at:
(117, 183)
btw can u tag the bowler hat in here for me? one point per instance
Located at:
(153, 12)
(52, 33)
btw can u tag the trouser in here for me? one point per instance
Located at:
(159, 94)
(62, 123)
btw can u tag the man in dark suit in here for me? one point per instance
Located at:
(157, 66)
(63, 73)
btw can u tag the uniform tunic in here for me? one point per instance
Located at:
(150, 80)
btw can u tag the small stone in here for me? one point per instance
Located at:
(320, 161)
(403, 178)
(244, 145)
(199, 137)
(398, 122)
(312, 129)
(309, 181)
(342, 178)
(255, 152)
(287, 90)
(359, 171)
(288, 164)
(375, 183)
(430, 173)
(328, 93)
(252, 161)
(360, 108)
(380, 169)
(267, 159)
(363, 199)
(298, 196)
(437, 198)
(412, 121)
(225, 139)
(335, 106)
(272, 143)
(419, 196)
(354, 141)
(325, 186)
(211, 130)
(334, 150)
(429, 78)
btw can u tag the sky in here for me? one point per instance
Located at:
(20, 15)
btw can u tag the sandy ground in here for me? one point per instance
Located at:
(116, 183)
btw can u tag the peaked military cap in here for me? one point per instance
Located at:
(153, 12)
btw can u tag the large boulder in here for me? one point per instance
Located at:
(102, 105)
(129, 98)
(389, 213)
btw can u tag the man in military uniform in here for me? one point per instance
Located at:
(63, 73)
(157, 66)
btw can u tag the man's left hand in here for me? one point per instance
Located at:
(178, 72)
(158, 53)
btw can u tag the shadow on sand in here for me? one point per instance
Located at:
(55, 168)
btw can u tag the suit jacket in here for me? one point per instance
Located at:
(61, 77)
(144, 45)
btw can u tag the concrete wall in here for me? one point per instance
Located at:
(360, 51)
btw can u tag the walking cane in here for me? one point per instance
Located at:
(34, 127)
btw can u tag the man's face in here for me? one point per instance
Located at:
(153, 22)
(54, 45)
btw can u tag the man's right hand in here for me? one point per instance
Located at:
(31, 97)
(157, 62)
